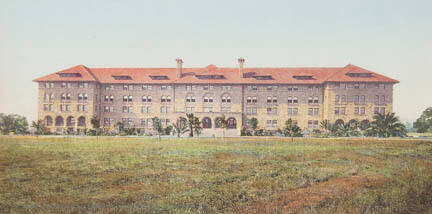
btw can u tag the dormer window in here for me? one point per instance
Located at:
(159, 77)
(303, 77)
(69, 74)
(122, 77)
(206, 77)
(263, 77)
(359, 74)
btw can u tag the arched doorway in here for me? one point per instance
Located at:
(206, 123)
(231, 123)
(48, 121)
(81, 121)
(70, 121)
(216, 122)
(59, 121)
(364, 124)
(339, 122)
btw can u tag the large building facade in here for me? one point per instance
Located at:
(133, 96)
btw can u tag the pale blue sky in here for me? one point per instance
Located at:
(39, 37)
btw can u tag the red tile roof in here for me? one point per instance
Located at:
(231, 75)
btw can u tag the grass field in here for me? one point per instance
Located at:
(235, 175)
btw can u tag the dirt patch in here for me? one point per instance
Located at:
(296, 200)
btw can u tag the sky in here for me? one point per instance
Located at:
(391, 37)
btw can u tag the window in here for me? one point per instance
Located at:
(249, 100)
(225, 109)
(226, 87)
(106, 99)
(377, 101)
(383, 100)
(293, 111)
(63, 97)
(310, 100)
(310, 124)
(125, 98)
(168, 99)
(362, 110)
(163, 99)
(310, 111)
(207, 109)
(190, 109)
(147, 87)
(315, 100)
(109, 87)
(356, 110)
(149, 99)
(337, 99)
(343, 99)
(107, 121)
(356, 99)
(164, 87)
(290, 100)
(269, 99)
(85, 97)
(83, 85)
(336, 111)
(269, 88)
(295, 100)
(210, 99)
(251, 110)
(315, 124)
(254, 100)
(316, 111)
(252, 88)
(159, 77)
(363, 99)
(382, 110)
(376, 110)
(145, 109)
(356, 86)
(342, 110)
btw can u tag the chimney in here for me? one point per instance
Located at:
(179, 67)
(241, 62)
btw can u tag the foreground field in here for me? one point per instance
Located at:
(238, 175)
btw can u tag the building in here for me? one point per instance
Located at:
(69, 98)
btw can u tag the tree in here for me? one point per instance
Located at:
(13, 123)
(197, 126)
(291, 130)
(119, 127)
(39, 126)
(253, 123)
(386, 125)
(95, 122)
(180, 127)
(191, 121)
(222, 123)
(157, 125)
(424, 122)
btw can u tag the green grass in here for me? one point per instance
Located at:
(204, 175)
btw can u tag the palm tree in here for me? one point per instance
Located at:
(180, 127)
(39, 126)
(190, 121)
(157, 125)
(197, 126)
(222, 123)
(386, 125)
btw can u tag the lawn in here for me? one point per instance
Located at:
(255, 175)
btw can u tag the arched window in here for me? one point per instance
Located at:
(343, 99)
(168, 99)
(81, 121)
(188, 99)
(353, 121)
(290, 100)
(70, 121)
(112, 98)
(144, 98)
(125, 98)
(207, 124)
(228, 99)
(192, 99)
(85, 96)
(295, 100)
(383, 99)
(48, 121)
(274, 99)
(59, 121)
(68, 96)
(310, 100)
(130, 98)
(63, 97)
(269, 99)
(106, 98)
(231, 123)
(149, 99)
(206, 99)
(337, 99)
(254, 99)
(339, 122)
(80, 97)
(210, 99)
(249, 100)
(46, 98)
(163, 99)
(51, 97)
(224, 99)
(315, 100)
